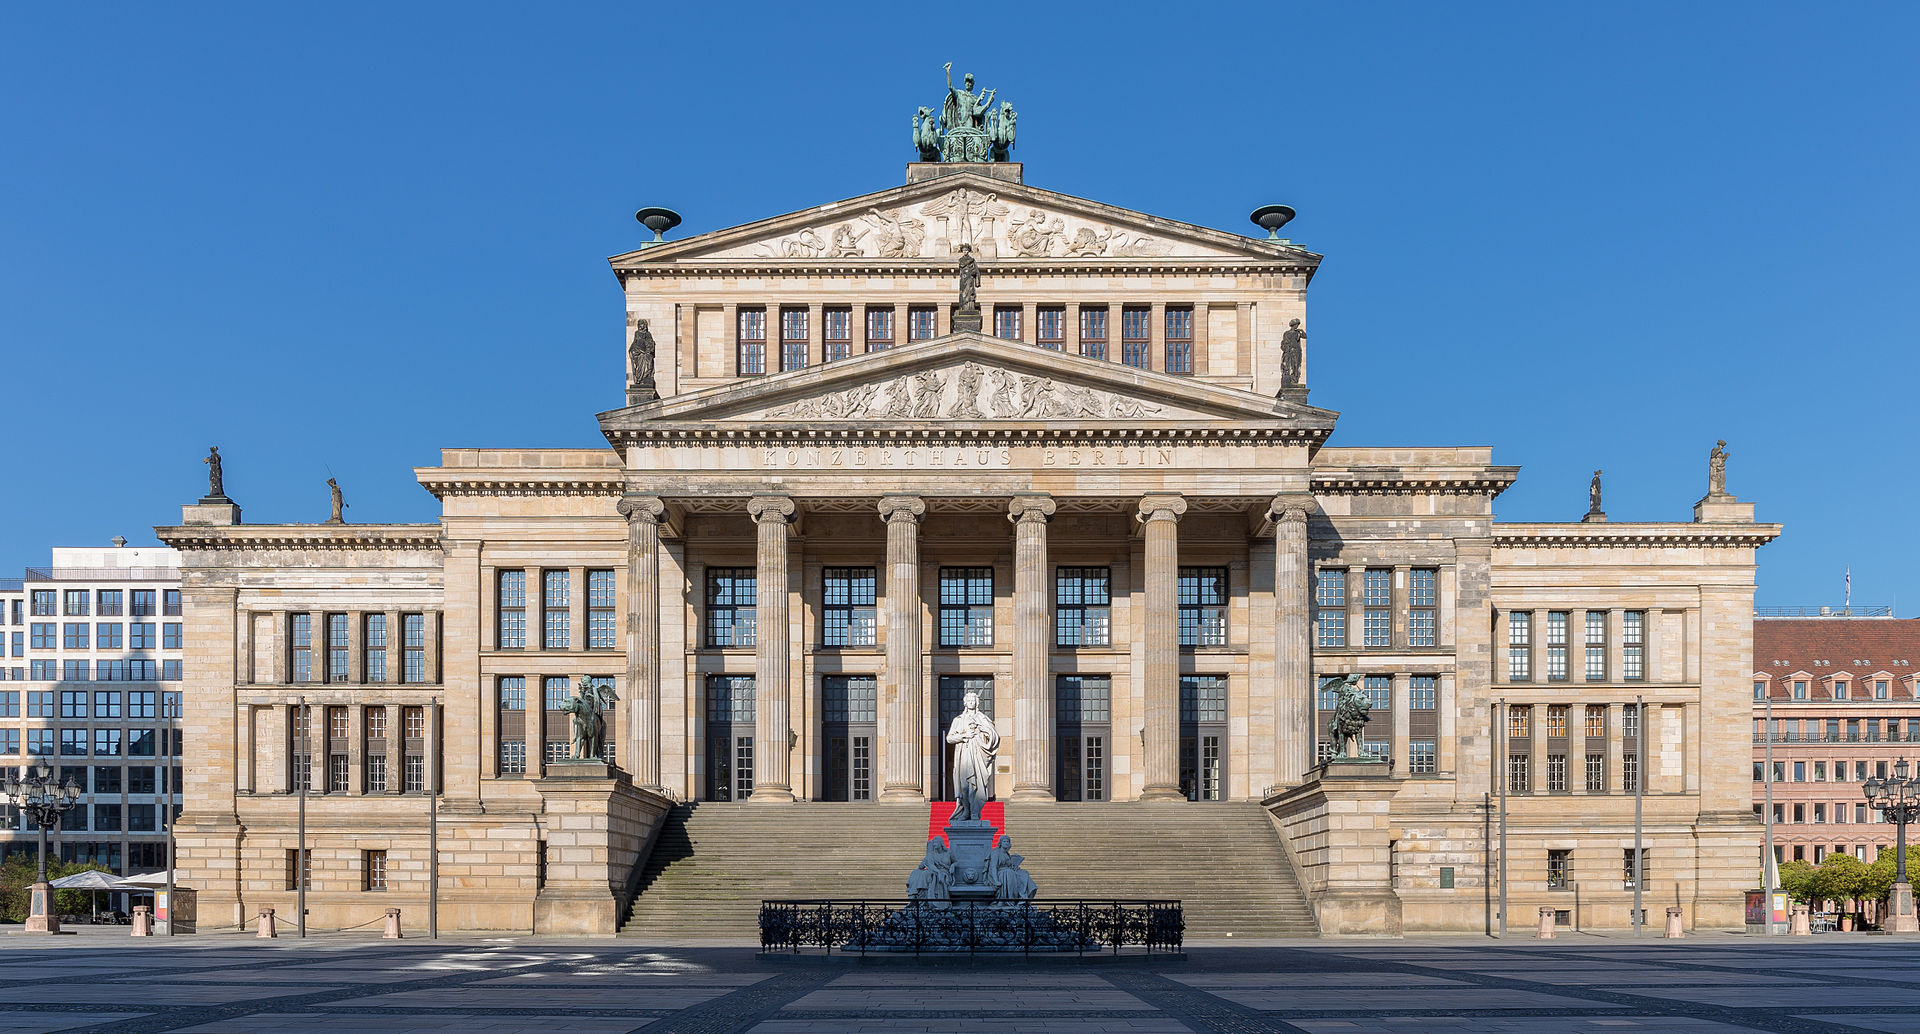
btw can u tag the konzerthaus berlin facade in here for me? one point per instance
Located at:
(1103, 510)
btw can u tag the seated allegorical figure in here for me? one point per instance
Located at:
(929, 881)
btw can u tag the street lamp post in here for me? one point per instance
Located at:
(44, 799)
(1899, 799)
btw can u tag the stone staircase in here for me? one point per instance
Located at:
(714, 862)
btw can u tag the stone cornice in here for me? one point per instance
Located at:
(1741, 536)
(1489, 481)
(301, 536)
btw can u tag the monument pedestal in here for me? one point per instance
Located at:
(41, 918)
(968, 843)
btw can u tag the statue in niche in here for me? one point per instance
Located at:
(216, 482)
(1593, 493)
(1351, 713)
(1010, 882)
(929, 882)
(1717, 469)
(592, 699)
(640, 361)
(969, 281)
(339, 504)
(974, 740)
(1293, 354)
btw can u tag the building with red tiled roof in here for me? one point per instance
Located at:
(1839, 696)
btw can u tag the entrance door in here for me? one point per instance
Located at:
(1203, 737)
(849, 706)
(1084, 708)
(729, 737)
(953, 694)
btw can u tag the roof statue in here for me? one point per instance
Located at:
(969, 128)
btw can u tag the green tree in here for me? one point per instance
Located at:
(1840, 878)
(1794, 877)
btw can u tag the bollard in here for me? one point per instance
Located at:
(1546, 925)
(393, 925)
(1800, 926)
(266, 924)
(1675, 929)
(143, 920)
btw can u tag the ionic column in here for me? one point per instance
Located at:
(772, 757)
(1032, 695)
(1161, 515)
(1293, 646)
(902, 734)
(643, 513)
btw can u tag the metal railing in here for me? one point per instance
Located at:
(942, 927)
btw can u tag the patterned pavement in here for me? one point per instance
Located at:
(103, 981)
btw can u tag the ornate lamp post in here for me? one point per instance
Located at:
(44, 799)
(1899, 798)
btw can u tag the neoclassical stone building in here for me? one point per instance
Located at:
(836, 500)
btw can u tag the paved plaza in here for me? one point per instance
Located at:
(101, 980)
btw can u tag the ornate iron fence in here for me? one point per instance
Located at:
(917, 927)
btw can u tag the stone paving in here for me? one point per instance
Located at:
(103, 981)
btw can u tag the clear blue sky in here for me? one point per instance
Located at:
(341, 237)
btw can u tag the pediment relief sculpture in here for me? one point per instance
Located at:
(995, 226)
(972, 391)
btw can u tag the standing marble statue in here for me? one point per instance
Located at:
(216, 483)
(1593, 493)
(339, 504)
(1717, 469)
(1293, 354)
(640, 362)
(591, 700)
(975, 739)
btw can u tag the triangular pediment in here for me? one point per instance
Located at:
(1002, 221)
(969, 379)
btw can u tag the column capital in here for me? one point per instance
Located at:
(902, 507)
(765, 508)
(1026, 508)
(647, 508)
(1167, 507)
(1290, 509)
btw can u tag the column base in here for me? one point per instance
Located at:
(1032, 795)
(771, 795)
(1162, 793)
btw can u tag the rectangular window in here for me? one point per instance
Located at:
(1203, 606)
(1083, 606)
(1421, 757)
(1330, 607)
(1135, 345)
(836, 325)
(921, 323)
(750, 346)
(1596, 645)
(76, 635)
(110, 603)
(336, 647)
(795, 339)
(107, 635)
(1006, 322)
(556, 625)
(600, 613)
(1376, 593)
(172, 603)
(1596, 772)
(1557, 646)
(170, 638)
(413, 648)
(375, 638)
(1559, 869)
(1179, 339)
(77, 603)
(1633, 646)
(143, 603)
(1050, 324)
(1093, 331)
(847, 607)
(1420, 693)
(730, 603)
(879, 328)
(511, 602)
(1422, 600)
(966, 606)
(300, 642)
(140, 635)
(373, 866)
(299, 869)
